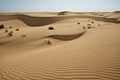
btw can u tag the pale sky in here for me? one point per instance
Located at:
(59, 5)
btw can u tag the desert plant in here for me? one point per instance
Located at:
(78, 23)
(10, 34)
(17, 29)
(23, 35)
(6, 31)
(49, 42)
(89, 27)
(83, 27)
(89, 24)
(10, 27)
(98, 24)
(92, 22)
(51, 28)
(1, 26)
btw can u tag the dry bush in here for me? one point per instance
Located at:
(6, 31)
(51, 28)
(2, 26)
(17, 29)
(92, 22)
(83, 27)
(23, 35)
(10, 27)
(98, 24)
(89, 27)
(78, 23)
(10, 34)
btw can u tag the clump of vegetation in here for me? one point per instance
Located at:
(10, 33)
(49, 42)
(78, 23)
(51, 28)
(89, 24)
(2, 26)
(98, 24)
(89, 27)
(92, 22)
(10, 27)
(23, 35)
(17, 29)
(83, 27)
(6, 31)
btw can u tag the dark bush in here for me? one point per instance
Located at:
(51, 28)
(78, 23)
(98, 24)
(89, 27)
(49, 42)
(6, 31)
(10, 34)
(92, 22)
(23, 35)
(17, 29)
(1, 26)
(83, 27)
(10, 27)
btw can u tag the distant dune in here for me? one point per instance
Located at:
(40, 21)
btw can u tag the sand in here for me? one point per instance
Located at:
(76, 48)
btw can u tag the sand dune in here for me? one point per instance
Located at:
(40, 21)
(80, 47)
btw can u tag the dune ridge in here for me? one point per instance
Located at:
(41, 21)
(67, 37)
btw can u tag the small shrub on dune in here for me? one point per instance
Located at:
(6, 31)
(10, 27)
(89, 27)
(23, 35)
(78, 23)
(1, 26)
(10, 34)
(49, 42)
(83, 27)
(17, 29)
(51, 28)
(98, 24)
(92, 22)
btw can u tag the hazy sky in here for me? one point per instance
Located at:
(58, 5)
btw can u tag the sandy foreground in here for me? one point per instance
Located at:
(81, 46)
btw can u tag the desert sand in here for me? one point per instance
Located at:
(80, 46)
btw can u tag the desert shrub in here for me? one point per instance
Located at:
(89, 27)
(1, 26)
(89, 24)
(78, 23)
(92, 22)
(6, 31)
(83, 27)
(51, 28)
(98, 24)
(23, 35)
(17, 29)
(10, 27)
(49, 42)
(10, 34)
